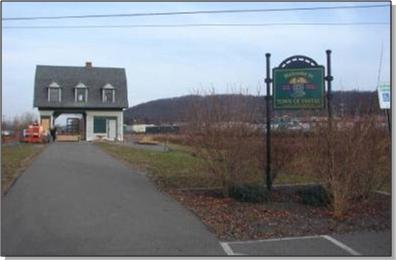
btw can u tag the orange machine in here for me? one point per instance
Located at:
(34, 134)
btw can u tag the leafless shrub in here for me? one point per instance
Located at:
(224, 134)
(351, 159)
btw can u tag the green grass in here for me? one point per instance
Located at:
(178, 168)
(173, 169)
(14, 160)
(282, 178)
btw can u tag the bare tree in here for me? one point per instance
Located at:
(22, 121)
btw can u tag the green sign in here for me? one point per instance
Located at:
(299, 88)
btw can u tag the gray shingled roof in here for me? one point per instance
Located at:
(95, 78)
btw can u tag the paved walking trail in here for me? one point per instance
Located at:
(76, 200)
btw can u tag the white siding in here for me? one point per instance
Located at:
(120, 126)
(90, 124)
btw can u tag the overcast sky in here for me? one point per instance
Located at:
(169, 62)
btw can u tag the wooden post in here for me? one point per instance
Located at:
(268, 115)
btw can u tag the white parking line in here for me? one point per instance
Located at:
(226, 245)
(271, 240)
(341, 245)
(227, 248)
(383, 192)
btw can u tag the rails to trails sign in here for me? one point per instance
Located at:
(298, 88)
(297, 83)
(384, 95)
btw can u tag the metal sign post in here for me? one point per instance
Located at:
(268, 81)
(389, 122)
(329, 78)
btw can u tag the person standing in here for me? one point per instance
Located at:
(53, 133)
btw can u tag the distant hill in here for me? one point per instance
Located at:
(173, 110)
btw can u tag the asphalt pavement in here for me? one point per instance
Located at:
(76, 200)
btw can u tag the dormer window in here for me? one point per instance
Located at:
(81, 93)
(54, 92)
(108, 94)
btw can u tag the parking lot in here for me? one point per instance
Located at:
(353, 244)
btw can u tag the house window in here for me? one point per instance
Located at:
(54, 92)
(108, 94)
(99, 125)
(81, 93)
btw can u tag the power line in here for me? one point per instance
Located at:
(191, 25)
(195, 12)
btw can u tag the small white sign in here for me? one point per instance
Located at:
(384, 96)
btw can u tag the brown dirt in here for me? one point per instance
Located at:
(285, 215)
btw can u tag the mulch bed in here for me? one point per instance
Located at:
(284, 216)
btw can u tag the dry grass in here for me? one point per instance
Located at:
(14, 160)
(146, 140)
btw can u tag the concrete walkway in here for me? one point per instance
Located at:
(76, 200)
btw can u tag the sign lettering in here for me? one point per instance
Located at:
(298, 88)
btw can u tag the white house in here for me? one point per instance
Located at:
(99, 94)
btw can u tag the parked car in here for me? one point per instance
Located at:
(7, 133)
